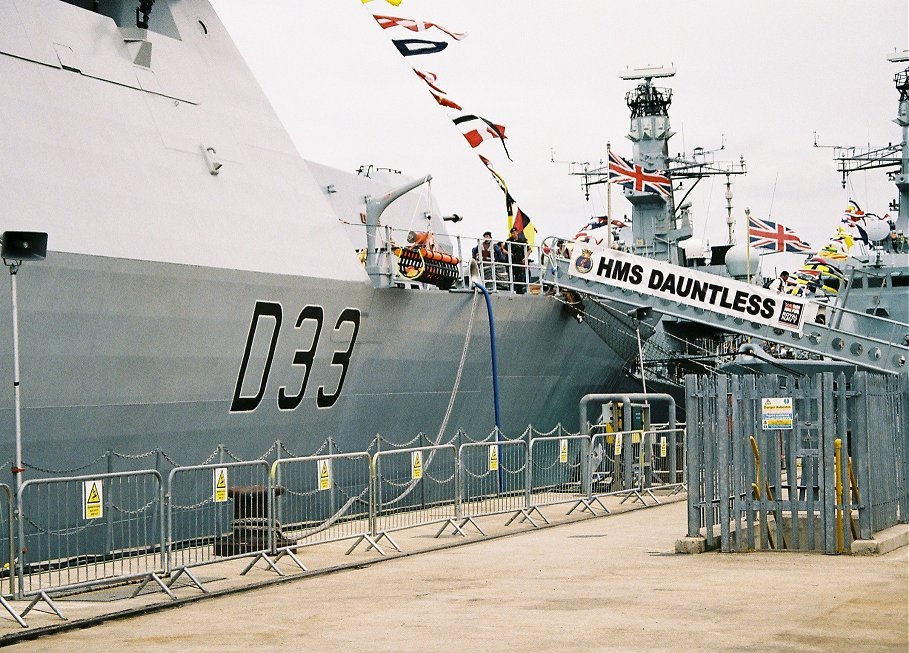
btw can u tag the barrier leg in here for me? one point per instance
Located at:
(267, 560)
(42, 596)
(192, 578)
(13, 613)
(290, 554)
(373, 544)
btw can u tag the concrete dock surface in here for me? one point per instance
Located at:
(610, 583)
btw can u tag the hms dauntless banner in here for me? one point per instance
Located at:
(693, 288)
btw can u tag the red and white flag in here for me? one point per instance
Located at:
(415, 25)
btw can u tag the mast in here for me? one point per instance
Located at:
(895, 157)
(653, 227)
(902, 119)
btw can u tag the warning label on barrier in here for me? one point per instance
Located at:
(493, 457)
(324, 467)
(662, 446)
(92, 499)
(776, 413)
(563, 450)
(220, 481)
(636, 437)
(416, 465)
(618, 444)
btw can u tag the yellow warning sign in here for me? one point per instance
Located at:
(636, 437)
(220, 479)
(662, 446)
(416, 465)
(324, 474)
(618, 444)
(563, 450)
(493, 457)
(92, 499)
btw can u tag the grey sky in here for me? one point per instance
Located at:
(765, 74)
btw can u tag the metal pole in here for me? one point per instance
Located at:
(608, 200)
(18, 469)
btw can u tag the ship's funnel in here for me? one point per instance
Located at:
(475, 276)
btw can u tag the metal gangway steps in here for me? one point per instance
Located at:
(865, 340)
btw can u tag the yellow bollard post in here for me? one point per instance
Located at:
(855, 498)
(838, 466)
(756, 490)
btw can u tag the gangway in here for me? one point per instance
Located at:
(868, 341)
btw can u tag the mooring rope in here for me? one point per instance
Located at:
(454, 393)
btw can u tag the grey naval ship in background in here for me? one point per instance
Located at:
(192, 296)
(865, 289)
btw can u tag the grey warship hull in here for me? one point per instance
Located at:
(203, 285)
(132, 356)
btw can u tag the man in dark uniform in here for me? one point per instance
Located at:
(517, 247)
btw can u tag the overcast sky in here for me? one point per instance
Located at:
(767, 75)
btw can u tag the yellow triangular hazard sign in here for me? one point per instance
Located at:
(222, 483)
(323, 469)
(93, 495)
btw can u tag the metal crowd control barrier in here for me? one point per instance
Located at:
(80, 532)
(631, 464)
(560, 473)
(492, 480)
(667, 451)
(323, 499)
(7, 552)
(412, 487)
(218, 512)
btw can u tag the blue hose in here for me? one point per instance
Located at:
(492, 347)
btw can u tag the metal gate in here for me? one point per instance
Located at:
(796, 462)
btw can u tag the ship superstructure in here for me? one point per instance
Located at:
(203, 285)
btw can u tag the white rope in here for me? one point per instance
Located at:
(454, 394)
(457, 383)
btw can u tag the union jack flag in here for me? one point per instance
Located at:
(634, 176)
(764, 234)
(597, 223)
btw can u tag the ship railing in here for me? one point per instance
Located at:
(515, 273)
(219, 512)
(78, 533)
(493, 479)
(413, 487)
(323, 499)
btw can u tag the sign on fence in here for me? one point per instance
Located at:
(220, 482)
(416, 465)
(324, 474)
(776, 413)
(493, 457)
(92, 499)
(563, 450)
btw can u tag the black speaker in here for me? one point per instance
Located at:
(24, 246)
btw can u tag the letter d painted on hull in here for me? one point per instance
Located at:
(240, 403)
